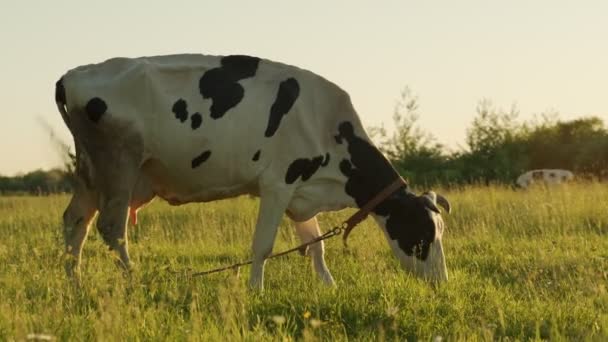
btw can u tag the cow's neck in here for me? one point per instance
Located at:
(366, 169)
(349, 175)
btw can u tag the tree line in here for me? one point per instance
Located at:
(499, 147)
(39, 182)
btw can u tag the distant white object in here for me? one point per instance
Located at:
(544, 176)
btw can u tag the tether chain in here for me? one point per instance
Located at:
(334, 232)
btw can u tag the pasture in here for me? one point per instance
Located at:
(522, 264)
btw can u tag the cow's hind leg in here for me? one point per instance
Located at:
(112, 224)
(76, 219)
(273, 203)
(307, 231)
(118, 177)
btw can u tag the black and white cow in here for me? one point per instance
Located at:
(195, 128)
(544, 176)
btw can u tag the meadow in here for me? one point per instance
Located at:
(522, 264)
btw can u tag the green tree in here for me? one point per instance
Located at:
(580, 145)
(414, 152)
(496, 145)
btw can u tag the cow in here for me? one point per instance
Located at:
(198, 128)
(543, 176)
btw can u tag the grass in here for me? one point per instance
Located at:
(523, 265)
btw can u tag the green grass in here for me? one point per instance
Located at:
(523, 265)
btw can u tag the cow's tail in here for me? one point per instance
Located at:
(60, 100)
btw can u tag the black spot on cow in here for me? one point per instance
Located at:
(538, 175)
(240, 66)
(196, 120)
(221, 84)
(96, 108)
(180, 108)
(408, 220)
(288, 92)
(196, 162)
(304, 168)
(256, 156)
(369, 161)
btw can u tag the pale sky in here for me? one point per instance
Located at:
(541, 54)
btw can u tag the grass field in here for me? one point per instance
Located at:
(523, 265)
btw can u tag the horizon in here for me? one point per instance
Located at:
(541, 56)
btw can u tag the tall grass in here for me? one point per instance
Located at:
(523, 265)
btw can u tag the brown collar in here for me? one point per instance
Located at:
(362, 213)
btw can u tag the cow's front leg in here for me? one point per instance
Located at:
(273, 203)
(309, 230)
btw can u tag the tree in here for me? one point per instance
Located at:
(582, 145)
(496, 143)
(492, 127)
(407, 139)
(414, 152)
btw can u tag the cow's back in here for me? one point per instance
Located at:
(210, 125)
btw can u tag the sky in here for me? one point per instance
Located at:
(542, 55)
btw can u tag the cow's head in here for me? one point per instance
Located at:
(412, 223)
(413, 227)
